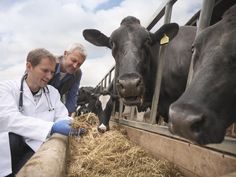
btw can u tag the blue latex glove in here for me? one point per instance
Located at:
(62, 126)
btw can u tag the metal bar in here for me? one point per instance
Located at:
(160, 65)
(168, 12)
(158, 14)
(205, 15)
(105, 82)
(101, 86)
(132, 112)
(193, 19)
(204, 21)
(156, 94)
(110, 86)
(114, 91)
(112, 69)
(109, 78)
(120, 108)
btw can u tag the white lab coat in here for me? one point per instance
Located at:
(34, 123)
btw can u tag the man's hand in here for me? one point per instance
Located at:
(62, 126)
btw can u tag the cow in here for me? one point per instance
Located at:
(87, 101)
(99, 102)
(136, 50)
(207, 107)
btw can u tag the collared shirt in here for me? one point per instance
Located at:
(37, 96)
(68, 86)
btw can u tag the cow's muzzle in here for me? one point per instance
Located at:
(130, 88)
(197, 125)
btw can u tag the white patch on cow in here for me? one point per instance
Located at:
(102, 128)
(78, 108)
(104, 99)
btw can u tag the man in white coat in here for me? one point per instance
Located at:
(30, 111)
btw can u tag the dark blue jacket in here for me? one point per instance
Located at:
(68, 86)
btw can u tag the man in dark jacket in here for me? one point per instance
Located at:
(68, 74)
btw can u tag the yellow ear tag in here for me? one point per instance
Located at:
(164, 40)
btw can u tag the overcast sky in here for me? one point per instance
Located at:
(54, 24)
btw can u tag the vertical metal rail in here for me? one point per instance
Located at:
(160, 63)
(204, 21)
(113, 88)
(106, 81)
(109, 77)
(205, 15)
(159, 14)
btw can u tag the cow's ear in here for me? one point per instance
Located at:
(165, 34)
(96, 37)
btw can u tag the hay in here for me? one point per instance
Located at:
(111, 154)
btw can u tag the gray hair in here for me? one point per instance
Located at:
(79, 47)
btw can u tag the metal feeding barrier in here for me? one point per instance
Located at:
(209, 160)
(207, 17)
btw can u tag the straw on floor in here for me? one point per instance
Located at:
(111, 154)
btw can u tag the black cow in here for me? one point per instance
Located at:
(87, 100)
(101, 103)
(208, 106)
(135, 51)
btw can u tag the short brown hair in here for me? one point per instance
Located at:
(35, 56)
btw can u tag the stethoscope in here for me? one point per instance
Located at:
(45, 91)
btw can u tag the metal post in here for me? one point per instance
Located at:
(204, 21)
(156, 95)
(105, 82)
(101, 86)
(168, 12)
(132, 112)
(205, 15)
(161, 57)
(120, 108)
(109, 78)
(114, 92)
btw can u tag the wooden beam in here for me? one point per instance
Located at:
(193, 160)
(49, 160)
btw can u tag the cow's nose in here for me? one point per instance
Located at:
(186, 123)
(129, 85)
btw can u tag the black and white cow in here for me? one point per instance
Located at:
(208, 106)
(86, 101)
(100, 103)
(136, 50)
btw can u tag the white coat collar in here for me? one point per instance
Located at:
(27, 92)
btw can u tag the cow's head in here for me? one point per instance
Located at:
(208, 106)
(131, 46)
(84, 95)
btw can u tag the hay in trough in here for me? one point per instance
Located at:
(111, 154)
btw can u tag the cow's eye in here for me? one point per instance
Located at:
(148, 41)
(112, 44)
(192, 48)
